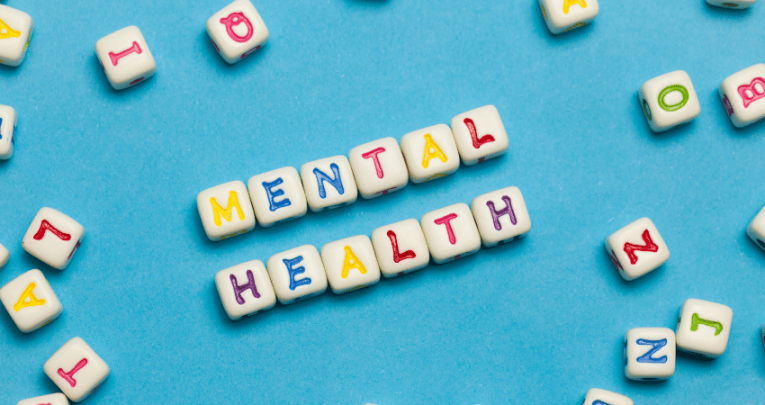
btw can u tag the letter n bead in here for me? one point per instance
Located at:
(743, 95)
(649, 354)
(226, 211)
(245, 289)
(501, 216)
(637, 249)
(669, 100)
(480, 135)
(53, 238)
(237, 31)
(328, 183)
(125, 57)
(76, 369)
(704, 327)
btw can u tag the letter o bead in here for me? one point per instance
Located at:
(743, 95)
(669, 100)
(649, 354)
(237, 31)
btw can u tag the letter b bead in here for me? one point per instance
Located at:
(669, 100)
(743, 95)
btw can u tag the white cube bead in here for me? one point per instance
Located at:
(400, 248)
(637, 249)
(297, 274)
(15, 31)
(669, 100)
(76, 369)
(378, 167)
(649, 354)
(480, 135)
(237, 31)
(52, 399)
(226, 210)
(565, 15)
(4, 256)
(125, 57)
(733, 4)
(743, 95)
(30, 301)
(430, 153)
(53, 238)
(277, 196)
(756, 229)
(328, 183)
(501, 216)
(245, 289)
(451, 233)
(602, 397)
(350, 264)
(762, 334)
(8, 121)
(704, 327)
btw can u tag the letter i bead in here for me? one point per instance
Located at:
(125, 57)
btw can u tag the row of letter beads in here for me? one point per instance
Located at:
(15, 32)
(373, 169)
(8, 123)
(348, 264)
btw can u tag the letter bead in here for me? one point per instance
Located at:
(430, 153)
(733, 4)
(328, 183)
(277, 196)
(226, 211)
(245, 289)
(649, 354)
(565, 15)
(704, 327)
(756, 229)
(15, 31)
(501, 216)
(451, 233)
(4, 256)
(637, 249)
(8, 121)
(480, 135)
(237, 31)
(378, 167)
(602, 397)
(53, 238)
(76, 369)
(743, 95)
(30, 301)
(400, 248)
(125, 57)
(350, 264)
(297, 274)
(52, 399)
(669, 100)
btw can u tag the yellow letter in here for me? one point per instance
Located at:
(28, 299)
(233, 202)
(569, 3)
(352, 262)
(432, 150)
(9, 32)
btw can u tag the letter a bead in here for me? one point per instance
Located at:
(480, 135)
(637, 249)
(451, 233)
(76, 369)
(8, 120)
(704, 327)
(565, 15)
(226, 211)
(125, 57)
(743, 95)
(53, 238)
(602, 397)
(237, 31)
(430, 153)
(669, 100)
(52, 399)
(15, 32)
(649, 354)
(30, 301)
(733, 4)
(350, 263)
(501, 216)
(245, 289)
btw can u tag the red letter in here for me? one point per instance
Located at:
(477, 142)
(648, 247)
(46, 226)
(397, 257)
(373, 154)
(115, 57)
(69, 377)
(445, 221)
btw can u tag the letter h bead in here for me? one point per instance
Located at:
(125, 57)
(245, 289)
(501, 216)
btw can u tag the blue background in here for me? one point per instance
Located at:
(537, 321)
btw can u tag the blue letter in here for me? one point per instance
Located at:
(657, 345)
(337, 183)
(295, 271)
(272, 204)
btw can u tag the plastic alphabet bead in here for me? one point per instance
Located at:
(451, 233)
(52, 399)
(76, 369)
(277, 196)
(245, 289)
(430, 153)
(637, 249)
(756, 229)
(8, 121)
(125, 57)
(328, 183)
(350, 264)
(4, 256)
(649, 354)
(400, 248)
(733, 4)
(297, 274)
(704, 327)
(237, 31)
(743, 95)
(480, 135)
(30, 301)
(669, 100)
(53, 238)
(565, 15)
(226, 211)
(15, 32)
(602, 397)
(501, 216)
(378, 167)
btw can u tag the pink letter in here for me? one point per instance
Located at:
(445, 221)
(115, 57)
(373, 154)
(752, 88)
(477, 142)
(69, 377)
(235, 19)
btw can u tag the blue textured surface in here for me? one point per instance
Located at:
(537, 321)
